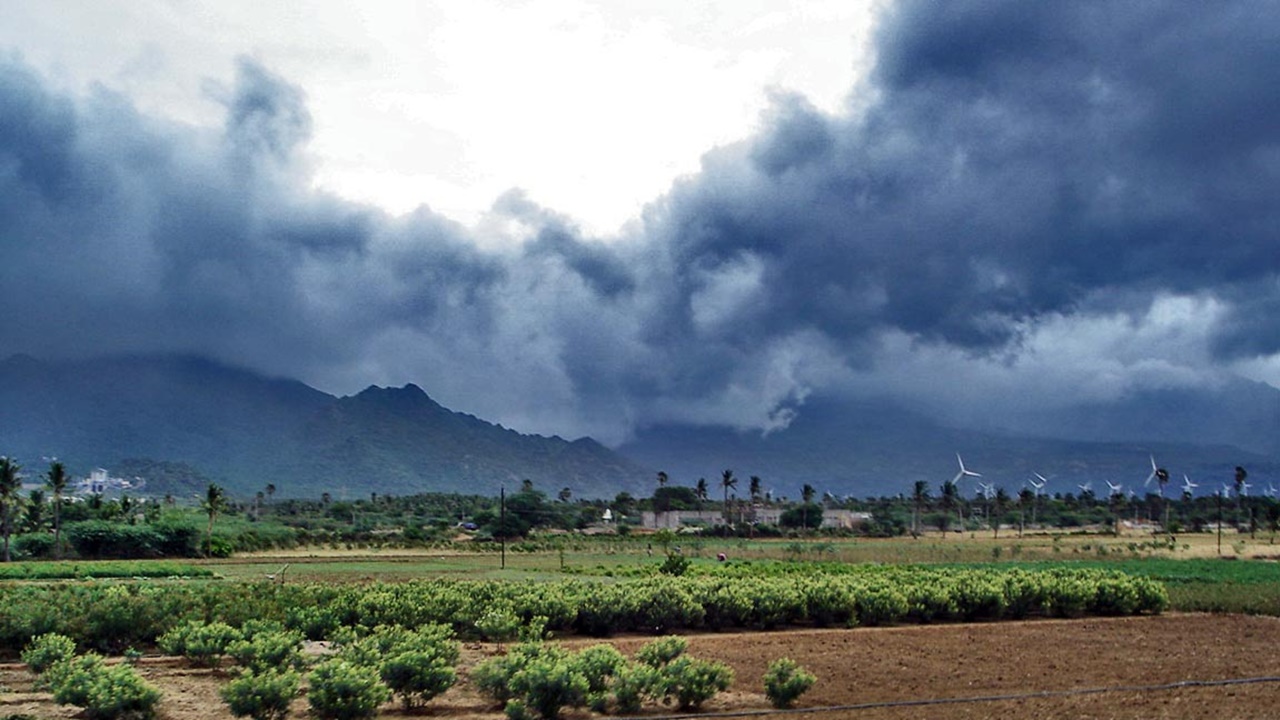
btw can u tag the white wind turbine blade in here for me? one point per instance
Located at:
(1154, 470)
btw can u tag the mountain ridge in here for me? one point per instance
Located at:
(248, 430)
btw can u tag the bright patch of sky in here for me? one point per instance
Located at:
(592, 108)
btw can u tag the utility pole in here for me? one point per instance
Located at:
(1219, 523)
(502, 523)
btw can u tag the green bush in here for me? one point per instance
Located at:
(692, 682)
(547, 684)
(105, 692)
(631, 685)
(342, 691)
(598, 664)
(492, 678)
(262, 695)
(417, 676)
(119, 692)
(45, 650)
(675, 565)
(203, 644)
(69, 679)
(785, 681)
(657, 653)
(268, 650)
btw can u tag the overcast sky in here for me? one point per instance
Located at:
(576, 219)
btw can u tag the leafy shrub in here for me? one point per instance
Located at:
(598, 664)
(499, 625)
(203, 644)
(631, 685)
(45, 650)
(657, 653)
(261, 695)
(105, 692)
(785, 681)
(268, 650)
(492, 678)
(547, 684)
(692, 682)
(675, 565)
(417, 676)
(69, 679)
(120, 692)
(342, 691)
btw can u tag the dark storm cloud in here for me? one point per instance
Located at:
(1021, 157)
(1016, 165)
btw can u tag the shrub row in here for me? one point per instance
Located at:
(113, 617)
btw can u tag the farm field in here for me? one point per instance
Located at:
(869, 666)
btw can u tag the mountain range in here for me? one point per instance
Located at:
(180, 422)
(147, 414)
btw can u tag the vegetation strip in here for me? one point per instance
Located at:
(117, 616)
(1181, 684)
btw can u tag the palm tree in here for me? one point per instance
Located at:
(662, 478)
(1026, 496)
(57, 480)
(700, 491)
(271, 491)
(10, 486)
(215, 500)
(919, 496)
(1241, 474)
(950, 499)
(728, 482)
(999, 503)
(806, 496)
(755, 500)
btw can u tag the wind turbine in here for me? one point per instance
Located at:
(1154, 471)
(1116, 488)
(1226, 490)
(964, 472)
(1038, 486)
(1086, 487)
(1270, 491)
(1244, 489)
(1187, 485)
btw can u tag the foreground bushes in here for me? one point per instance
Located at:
(106, 692)
(540, 680)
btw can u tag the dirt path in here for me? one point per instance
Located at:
(885, 665)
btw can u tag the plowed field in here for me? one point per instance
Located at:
(1123, 659)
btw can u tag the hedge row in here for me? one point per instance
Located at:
(114, 617)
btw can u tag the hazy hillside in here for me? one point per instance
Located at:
(247, 430)
(881, 449)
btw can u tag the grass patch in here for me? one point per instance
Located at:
(86, 569)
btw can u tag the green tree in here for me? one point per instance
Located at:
(727, 482)
(950, 501)
(215, 501)
(1240, 476)
(56, 480)
(998, 505)
(806, 495)
(919, 498)
(10, 487)
(1026, 496)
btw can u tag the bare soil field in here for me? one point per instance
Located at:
(876, 667)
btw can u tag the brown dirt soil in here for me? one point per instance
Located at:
(884, 665)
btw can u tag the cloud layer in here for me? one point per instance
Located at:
(1031, 203)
